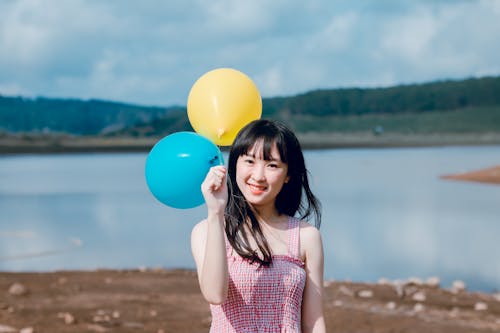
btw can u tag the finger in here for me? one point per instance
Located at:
(214, 178)
(213, 183)
(220, 173)
(220, 169)
(217, 183)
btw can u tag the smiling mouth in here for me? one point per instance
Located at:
(257, 189)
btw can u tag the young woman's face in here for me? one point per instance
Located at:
(259, 180)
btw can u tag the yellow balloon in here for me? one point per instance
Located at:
(221, 102)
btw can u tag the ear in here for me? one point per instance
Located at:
(287, 179)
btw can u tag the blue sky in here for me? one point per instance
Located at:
(152, 52)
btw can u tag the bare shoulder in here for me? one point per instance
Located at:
(200, 226)
(310, 240)
(308, 232)
(199, 231)
(198, 239)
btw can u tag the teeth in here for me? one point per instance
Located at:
(259, 188)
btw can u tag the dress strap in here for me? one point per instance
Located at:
(293, 237)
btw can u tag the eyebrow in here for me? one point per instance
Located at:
(271, 159)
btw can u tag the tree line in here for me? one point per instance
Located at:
(470, 104)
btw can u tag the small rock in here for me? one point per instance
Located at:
(338, 303)
(496, 296)
(68, 318)
(480, 306)
(101, 318)
(327, 284)
(7, 329)
(27, 330)
(414, 281)
(458, 286)
(454, 312)
(18, 289)
(418, 307)
(433, 282)
(410, 290)
(116, 314)
(133, 324)
(365, 293)
(160, 331)
(384, 282)
(390, 306)
(419, 296)
(346, 291)
(108, 280)
(97, 328)
(153, 313)
(399, 288)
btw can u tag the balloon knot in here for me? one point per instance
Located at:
(220, 132)
(214, 160)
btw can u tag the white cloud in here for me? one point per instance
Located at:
(23, 42)
(237, 17)
(409, 37)
(337, 34)
(151, 52)
(452, 40)
(12, 89)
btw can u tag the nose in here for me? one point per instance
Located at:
(258, 173)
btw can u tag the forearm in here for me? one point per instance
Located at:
(313, 320)
(318, 327)
(214, 278)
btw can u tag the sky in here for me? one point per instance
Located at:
(152, 52)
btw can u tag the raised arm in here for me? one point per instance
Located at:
(208, 239)
(313, 320)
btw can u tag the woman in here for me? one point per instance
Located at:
(259, 267)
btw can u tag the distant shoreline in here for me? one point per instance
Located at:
(83, 144)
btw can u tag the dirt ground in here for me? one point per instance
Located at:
(170, 301)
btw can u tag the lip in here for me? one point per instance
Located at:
(256, 189)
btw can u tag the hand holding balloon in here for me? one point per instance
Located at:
(179, 169)
(214, 189)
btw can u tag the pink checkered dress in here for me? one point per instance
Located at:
(263, 299)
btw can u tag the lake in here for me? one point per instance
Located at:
(386, 213)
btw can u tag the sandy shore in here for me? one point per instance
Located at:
(74, 144)
(170, 301)
(489, 175)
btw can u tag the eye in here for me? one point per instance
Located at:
(273, 165)
(248, 161)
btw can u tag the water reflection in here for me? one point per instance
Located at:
(386, 214)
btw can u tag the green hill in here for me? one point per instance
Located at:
(435, 96)
(72, 116)
(464, 106)
(471, 105)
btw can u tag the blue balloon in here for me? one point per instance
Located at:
(177, 165)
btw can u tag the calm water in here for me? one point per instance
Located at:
(386, 214)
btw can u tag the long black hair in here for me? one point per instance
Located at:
(294, 198)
